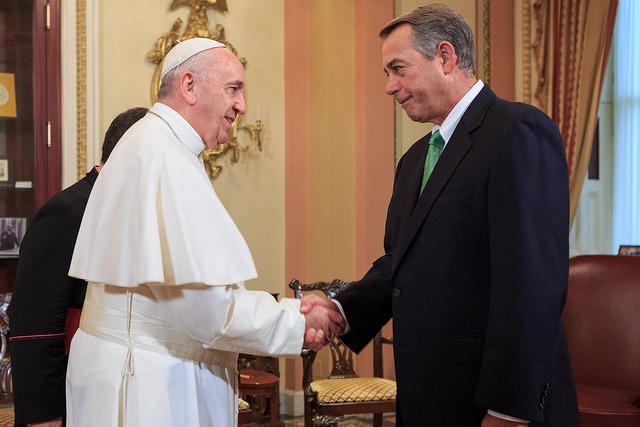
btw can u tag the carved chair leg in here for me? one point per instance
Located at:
(377, 420)
(308, 415)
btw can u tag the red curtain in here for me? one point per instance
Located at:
(573, 42)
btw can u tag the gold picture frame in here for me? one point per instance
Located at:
(5, 171)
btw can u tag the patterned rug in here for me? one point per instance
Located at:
(349, 421)
(6, 420)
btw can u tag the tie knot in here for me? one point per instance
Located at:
(436, 139)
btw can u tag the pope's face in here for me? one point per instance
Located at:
(220, 97)
(416, 83)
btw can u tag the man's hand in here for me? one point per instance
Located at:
(323, 321)
(309, 301)
(52, 423)
(491, 421)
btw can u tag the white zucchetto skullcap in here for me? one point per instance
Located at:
(185, 50)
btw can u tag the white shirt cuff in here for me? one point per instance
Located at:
(507, 417)
(346, 322)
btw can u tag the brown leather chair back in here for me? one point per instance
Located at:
(602, 320)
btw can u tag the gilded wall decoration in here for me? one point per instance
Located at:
(198, 26)
(526, 51)
(540, 46)
(81, 88)
(486, 19)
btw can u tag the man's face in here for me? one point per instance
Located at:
(416, 83)
(220, 98)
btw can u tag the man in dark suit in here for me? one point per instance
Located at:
(476, 244)
(46, 302)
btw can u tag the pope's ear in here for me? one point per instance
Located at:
(187, 87)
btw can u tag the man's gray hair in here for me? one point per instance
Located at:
(434, 24)
(197, 64)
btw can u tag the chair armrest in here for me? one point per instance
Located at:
(308, 357)
(330, 289)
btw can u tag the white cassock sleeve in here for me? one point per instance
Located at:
(232, 318)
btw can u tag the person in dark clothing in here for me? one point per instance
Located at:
(476, 244)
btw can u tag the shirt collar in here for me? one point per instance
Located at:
(183, 130)
(451, 121)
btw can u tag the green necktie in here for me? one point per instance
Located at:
(436, 143)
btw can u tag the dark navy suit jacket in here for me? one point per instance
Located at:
(475, 274)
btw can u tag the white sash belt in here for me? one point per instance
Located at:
(132, 317)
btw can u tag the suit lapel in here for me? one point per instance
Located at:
(409, 188)
(453, 153)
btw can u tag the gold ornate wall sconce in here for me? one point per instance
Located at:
(198, 26)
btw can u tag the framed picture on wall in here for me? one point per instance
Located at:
(5, 171)
(629, 250)
(7, 95)
(11, 233)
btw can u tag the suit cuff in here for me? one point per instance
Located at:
(507, 417)
(347, 328)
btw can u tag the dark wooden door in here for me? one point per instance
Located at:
(30, 118)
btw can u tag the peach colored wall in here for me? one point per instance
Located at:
(339, 143)
(296, 71)
(374, 144)
(503, 49)
(331, 140)
(373, 133)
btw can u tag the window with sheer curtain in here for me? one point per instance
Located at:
(626, 125)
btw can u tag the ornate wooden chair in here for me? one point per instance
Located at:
(602, 320)
(326, 401)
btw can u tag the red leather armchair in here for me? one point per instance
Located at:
(602, 321)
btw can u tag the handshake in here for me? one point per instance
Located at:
(323, 321)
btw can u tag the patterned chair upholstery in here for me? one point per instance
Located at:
(6, 416)
(344, 392)
(602, 320)
(242, 405)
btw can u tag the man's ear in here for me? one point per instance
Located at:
(187, 87)
(447, 55)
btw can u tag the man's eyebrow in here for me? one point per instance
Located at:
(392, 63)
(238, 83)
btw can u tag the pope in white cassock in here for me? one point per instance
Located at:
(166, 310)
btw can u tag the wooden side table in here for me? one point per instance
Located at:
(258, 383)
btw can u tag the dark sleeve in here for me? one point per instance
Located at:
(367, 302)
(42, 294)
(528, 211)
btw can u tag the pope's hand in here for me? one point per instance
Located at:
(323, 321)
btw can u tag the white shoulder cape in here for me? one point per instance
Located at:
(153, 217)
